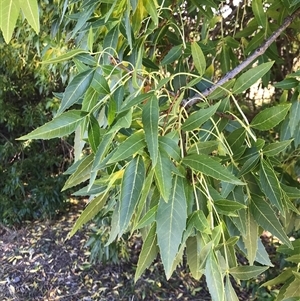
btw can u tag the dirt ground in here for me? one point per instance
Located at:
(38, 263)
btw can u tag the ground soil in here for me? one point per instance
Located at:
(38, 263)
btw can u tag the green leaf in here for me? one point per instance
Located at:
(9, 12)
(198, 118)
(287, 84)
(148, 253)
(150, 121)
(89, 212)
(270, 185)
(163, 175)
(214, 278)
(94, 135)
(30, 10)
(131, 189)
(198, 220)
(270, 117)
(293, 290)
(132, 101)
(100, 84)
(172, 55)
(81, 174)
(294, 258)
(227, 207)
(110, 40)
(294, 121)
(151, 9)
(273, 149)
(199, 58)
(230, 294)
(147, 219)
(205, 147)
(250, 164)
(265, 216)
(210, 167)
(250, 239)
(76, 89)
(250, 77)
(193, 254)
(171, 220)
(129, 147)
(259, 13)
(60, 126)
(170, 147)
(246, 272)
(66, 56)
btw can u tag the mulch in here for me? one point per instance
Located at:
(38, 263)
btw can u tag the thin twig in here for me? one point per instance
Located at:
(231, 74)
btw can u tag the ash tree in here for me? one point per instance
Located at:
(168, 139)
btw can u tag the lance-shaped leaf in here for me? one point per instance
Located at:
(94, 135)
(270, 117)
(171, 220)
(214, 277)
(247, 272)
(9, 12)
(169, 146)
(210, 167)
(132, 101)
(270, 185)
(163, 175)
(294, 118)
(129, 147)
(228, 207)
(30, 10)
(150, 121)
(60, 126)
(131, 189)
(89, 212)
(259, 13)
(64, 57)
(76, 89)
(265, 216)
(147, 219)
(148, 253)
(230, 294)
(199, 58)
(249, 165)
(82, 172)
(110, 40)
(172, 55)
(250, 77)
(198, 118)
(193, 256)
(273, 149)
(250, 239)
(100, 84)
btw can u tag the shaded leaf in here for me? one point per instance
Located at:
(273, 149)
(163, 175)
(265, 216)
(172, 55)
(270, 185)
(131, 189)
(230, 294)
(210, 167)
(60, 126)
(198, 118)
(147, 219)
(214, 278)
(148, 252)
(150, 121)
(259, 13)
(251, 238)
(171, 220)
(94, 135)
(129, 147)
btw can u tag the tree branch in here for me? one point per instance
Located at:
(231, 74)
